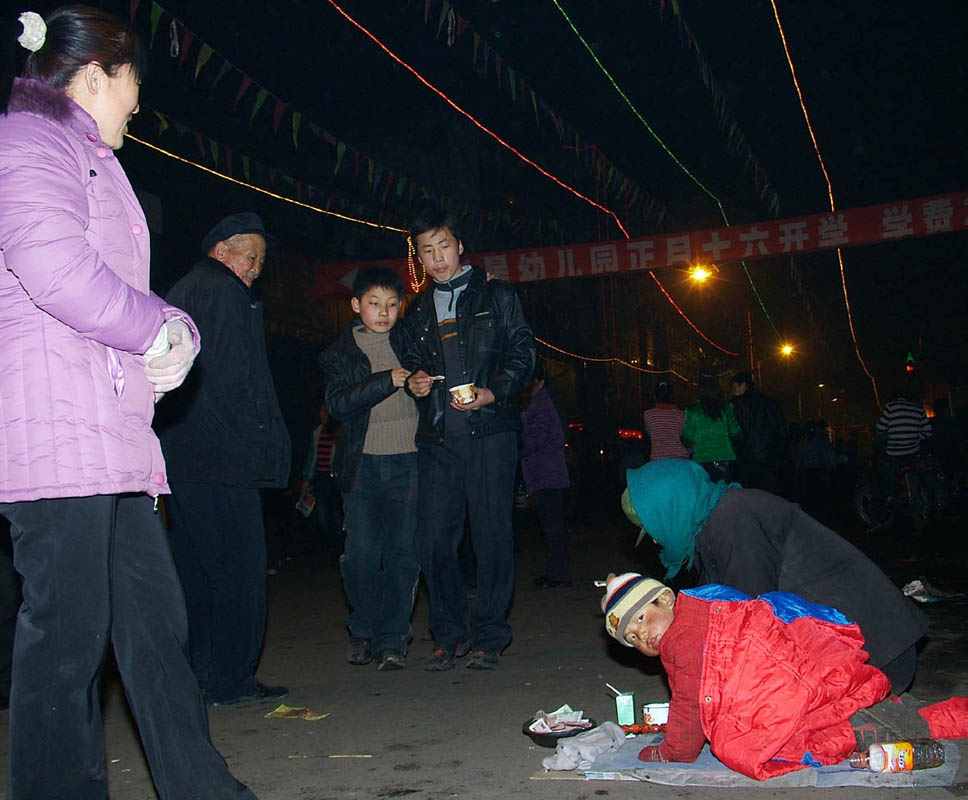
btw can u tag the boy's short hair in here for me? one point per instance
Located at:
(625, 596)
(433, 219)
(383, 277)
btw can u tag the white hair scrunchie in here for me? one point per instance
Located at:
(35, 31)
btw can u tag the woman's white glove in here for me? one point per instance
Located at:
(168, 370)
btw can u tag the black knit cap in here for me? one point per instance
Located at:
(234, 224)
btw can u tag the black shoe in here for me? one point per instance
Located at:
(261, 694)
(391, 660)
(482, 659)
(444, 658)
(544, 582)
(358, 652)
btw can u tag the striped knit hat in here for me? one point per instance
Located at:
(625, 596)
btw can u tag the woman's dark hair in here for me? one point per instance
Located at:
(710, 395)
(77, 36)
(663, 392)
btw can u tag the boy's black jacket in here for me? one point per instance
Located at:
(351, 390)
(496, 351)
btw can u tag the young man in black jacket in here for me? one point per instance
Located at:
(466, 330)
(376, 469)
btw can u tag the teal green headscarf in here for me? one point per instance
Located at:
(672, 499)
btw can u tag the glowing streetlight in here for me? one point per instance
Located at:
(700, 274)
(786, 350)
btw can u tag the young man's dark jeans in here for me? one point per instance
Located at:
(475, 475)
(379, 563)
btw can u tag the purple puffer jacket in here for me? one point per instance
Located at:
(543, 445)
(75, 310)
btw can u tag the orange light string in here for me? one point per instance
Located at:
(480, 125)
(830, 194)
(613, 360)
(285, 199)
(520, 155)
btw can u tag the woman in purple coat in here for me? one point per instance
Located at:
(546, 477)
(85, 351)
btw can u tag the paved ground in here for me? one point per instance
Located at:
(457, 734)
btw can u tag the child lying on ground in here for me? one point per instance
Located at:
(771, 683)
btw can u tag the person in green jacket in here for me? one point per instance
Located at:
(710, 429)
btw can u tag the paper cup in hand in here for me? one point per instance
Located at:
(463, 394)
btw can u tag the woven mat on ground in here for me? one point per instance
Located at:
(707, 770)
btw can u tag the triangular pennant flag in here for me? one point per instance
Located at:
(377, 175)
(243, 88)
(289, 179)
(316, 130)
(356, 163)
(340, 153)
(134, 8)
(162, 122)
(386, 187)
(245, 169)
(299, 191)
(444, 10)
(156, 12)
(277, 113)
(513, 82)
(477, 43)
(401, 185)
(498, 65)
(369, 170)
(260, 98)
(228, 160)
(187, 40)
(329, 138)
(213, 146)
(180, 129)
(200, 142)
(426, 11)
(226, 66)
(204, 54)
(296, 122)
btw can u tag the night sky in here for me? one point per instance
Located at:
(884, 83)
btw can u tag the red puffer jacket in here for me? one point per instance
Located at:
(780, 678)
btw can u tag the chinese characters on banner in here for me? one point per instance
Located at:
(870, 225)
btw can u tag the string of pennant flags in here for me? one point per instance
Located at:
(485, 59)
(385, 184)
(209, 68)
(488, 61)
(160, 126)
(735, 138)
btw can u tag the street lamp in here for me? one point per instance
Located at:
(786, 350)
(699, 274)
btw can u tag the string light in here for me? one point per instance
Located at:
(830, 195)
(613, 360)
(415, 285)
(669, 152)
(474, 120)
(683, 315)
(259, 189)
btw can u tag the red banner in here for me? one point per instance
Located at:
(869, 225)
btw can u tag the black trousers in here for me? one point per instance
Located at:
(474, 475)
(97, 570)
(550, 504)
(218, 542)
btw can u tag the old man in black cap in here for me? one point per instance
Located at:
(224, 438)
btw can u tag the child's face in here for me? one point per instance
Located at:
(645, 631)
(439, 252)
(378, 309)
